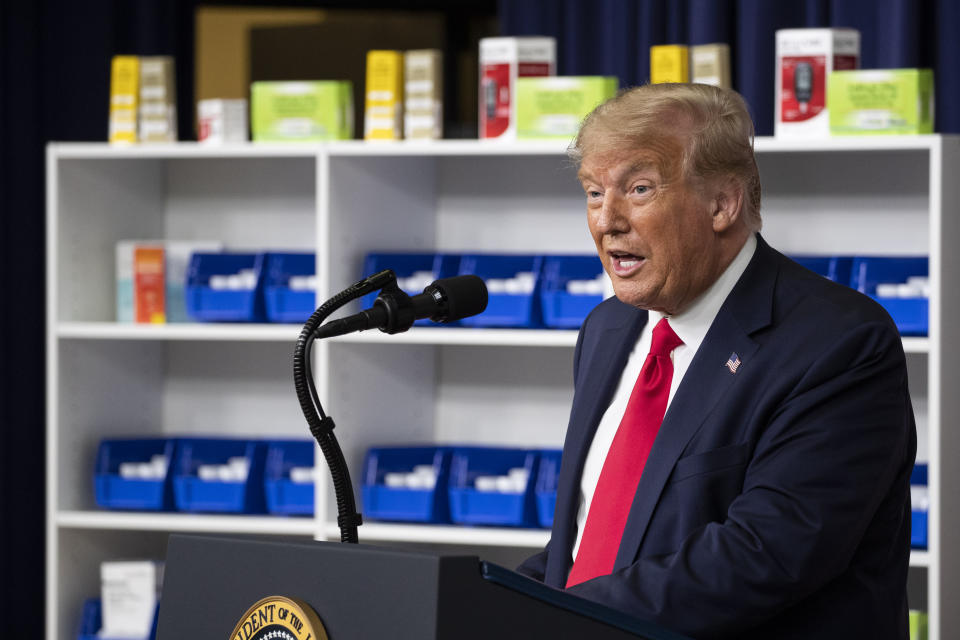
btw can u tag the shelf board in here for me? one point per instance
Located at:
(449, 148)
(919, 558)
(182, 150)
(472, 147)
(453, 336)
(185, 331)
(146, 521)
(769, 144)
(447, 534)
(916, 345)
(241, 524)
(468, 337)
(373, 531)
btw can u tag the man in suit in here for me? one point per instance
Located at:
(739, 449)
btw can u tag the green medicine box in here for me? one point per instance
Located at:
(301, 111)
(553, 107)
(880, 101)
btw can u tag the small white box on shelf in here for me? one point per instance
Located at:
(222, 121)
(129, 592)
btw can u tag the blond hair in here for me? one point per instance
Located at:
(711, 125)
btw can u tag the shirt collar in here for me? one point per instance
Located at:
(692, 325)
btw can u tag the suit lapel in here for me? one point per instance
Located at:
(746, 310)
(600, 373)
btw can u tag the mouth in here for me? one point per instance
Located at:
(625, 264)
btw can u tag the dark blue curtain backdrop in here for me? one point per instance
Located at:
(613, 37)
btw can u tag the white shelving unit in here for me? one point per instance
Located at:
(510, 387)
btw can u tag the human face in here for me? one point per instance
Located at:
(654, 233)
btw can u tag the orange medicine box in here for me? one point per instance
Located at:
(148, 285)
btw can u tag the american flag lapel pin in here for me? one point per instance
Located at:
(733, 362)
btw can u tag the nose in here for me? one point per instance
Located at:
(609, 217)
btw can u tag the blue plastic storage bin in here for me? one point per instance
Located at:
(405, 265)
(114, 491)
(918, 520)
(918, 529)
(546, 486)
(196, 494)
(919, 474)
(91, 621)
(285, 496)
(468, 505)
(911, 315)
(505, 309)
(208, 304)
(562, 309)
(836, 268)
(406, 503)
(282, 303)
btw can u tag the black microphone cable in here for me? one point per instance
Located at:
(321, 425)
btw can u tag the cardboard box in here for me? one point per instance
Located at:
(805, 59)
(158, 101)
(669, 63)
(710, 64)
(124, 96)
(881, 101)
(423, 95)
(222, 45)
(141, 287)
(502, 61)
(554, 107)
(221, 121)
(383, 113)
(301, 111)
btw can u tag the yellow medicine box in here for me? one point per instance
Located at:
(383, 113)
(669, 63)
(124, 98)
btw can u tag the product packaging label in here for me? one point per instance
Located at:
(803, 92)
(494, 99)
(881, 101)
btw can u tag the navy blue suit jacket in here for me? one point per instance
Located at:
(775, 502)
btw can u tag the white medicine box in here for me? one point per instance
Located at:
(805, 58)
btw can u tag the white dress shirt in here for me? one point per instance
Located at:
(691, 326)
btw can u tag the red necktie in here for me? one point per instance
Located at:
(624, 463)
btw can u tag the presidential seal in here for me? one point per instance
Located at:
(279, 618)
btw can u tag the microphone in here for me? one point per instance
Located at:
(394, 311)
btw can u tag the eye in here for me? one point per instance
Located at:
(593, 194)
(641, 189)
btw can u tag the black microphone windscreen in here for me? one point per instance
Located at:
(465, 296)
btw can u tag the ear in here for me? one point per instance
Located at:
(728, 200)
